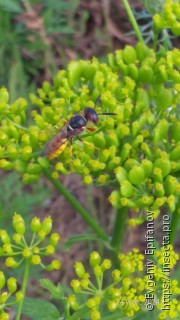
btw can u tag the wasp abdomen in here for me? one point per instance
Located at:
(57, 145)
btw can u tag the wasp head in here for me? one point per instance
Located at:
(90, 115)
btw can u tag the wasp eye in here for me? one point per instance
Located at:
(90, 114)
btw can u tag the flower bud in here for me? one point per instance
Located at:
(72, 302)
(26, 153)
(129, 54)
(2, 280)
(146, 74)
(19, 296)
(75, 284)
(20, 165)
(18, 224)
(125, 202)
(47, 225)
(146, 149)
(121, 174)
(54, 239)
(84, 283)
(116, 275)
(160, 201)
(27, 253)
(11, 263)
(111, 61)
(175, 153)
(114, 198)
(79, 269)
(126, 189)
(3, 138)
(145, 201)
(164, 164)
(136, 175)
(147, 167)
(159, 190)
(171, 201)
(12, 284)
(55, 265)
(112, 305)
(98, 271)
(125, 151)
(41, 235)
(106, 264)
(135, 222)
(175, 131)
(170, 184)
(35, 224)
(3, 297)
(12, 152)
(126, 282)
(95, 315)
(99, 140)
(133, 71)
(35, 259)
(164, 98)
(161, 131)
(34, 168)
(141, 51)
(88, 179)
(49, 250)
(125, 268)
(4, 316)
(142, 103)
(157, 173)
(7, 248)
(91, 303)
(5, 237)
(30, 178)
(95, 259)
(5, 164)
(36, 250)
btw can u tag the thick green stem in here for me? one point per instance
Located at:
(119, 226)
(24, 286)
(174, 224)
(77, 206)
(133, 20)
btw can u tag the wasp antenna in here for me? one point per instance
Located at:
(108, 113)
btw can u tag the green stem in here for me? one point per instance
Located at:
(24, 286)
(118, 231)
(174, 224)
(77, 206)
(133, 20)
(79, 314)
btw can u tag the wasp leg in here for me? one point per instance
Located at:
(91, 129)
(71, 154)
(88, 143)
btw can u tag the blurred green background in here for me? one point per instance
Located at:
(39, 37)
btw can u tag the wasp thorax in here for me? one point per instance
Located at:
(76, 122)
(90, 115)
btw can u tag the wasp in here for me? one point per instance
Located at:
(73, 128)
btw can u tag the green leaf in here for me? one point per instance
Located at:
(10, 6)
(40, 309)
(78, 238)
(57, 292)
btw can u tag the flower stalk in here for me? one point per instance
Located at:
(76, 205)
